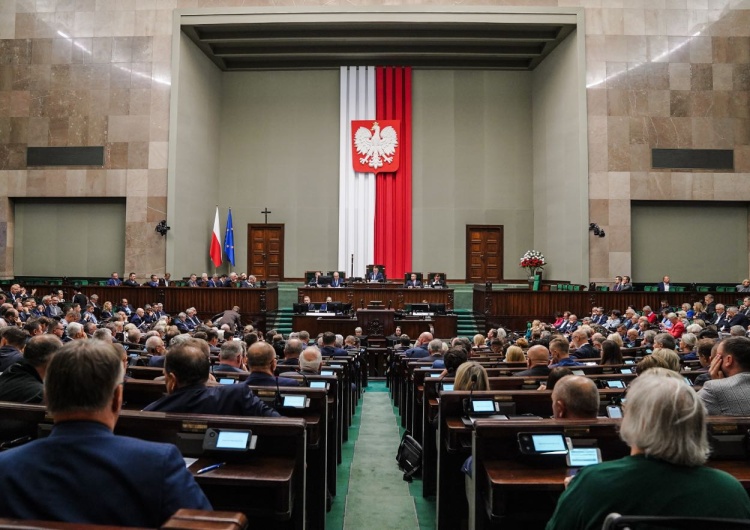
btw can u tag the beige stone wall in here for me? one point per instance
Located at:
(666, 73)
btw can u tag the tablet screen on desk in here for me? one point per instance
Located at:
(615, 384)
(483, 405)
(326, 372)
(232, 440)
(447, 387)
(579, 372)
(318, 384)
(295, 401)
(548, 443)
(227, 381)
(584, 456)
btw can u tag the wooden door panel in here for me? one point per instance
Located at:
(266, 251)
(484, 253)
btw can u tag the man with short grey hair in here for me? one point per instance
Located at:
(104, 334)
(310, 361)
(75, 331)
(146, 482)
(230, 357)
(156, 351)
(292, 350)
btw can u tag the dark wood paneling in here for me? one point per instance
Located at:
(253, 303)
(444, 326)
(513, 308)
(361, 296)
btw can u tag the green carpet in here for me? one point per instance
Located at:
(371, 490)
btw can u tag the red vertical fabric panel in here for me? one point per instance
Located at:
(393, 222)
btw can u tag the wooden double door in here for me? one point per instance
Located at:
(265, 251)
(484, 253)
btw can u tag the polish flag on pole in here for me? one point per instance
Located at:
(215, 250)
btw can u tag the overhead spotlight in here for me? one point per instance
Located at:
(162, 227)
(593, 227)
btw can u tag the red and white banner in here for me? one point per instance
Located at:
(375, 145)
(215, 248)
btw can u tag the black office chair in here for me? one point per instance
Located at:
(615, 521)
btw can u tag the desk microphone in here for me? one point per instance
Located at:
(304, 378)
(277, 398)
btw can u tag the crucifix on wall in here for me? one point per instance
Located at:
(266, 211)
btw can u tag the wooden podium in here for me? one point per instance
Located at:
(376, 322)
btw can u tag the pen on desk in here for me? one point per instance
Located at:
(210, 468)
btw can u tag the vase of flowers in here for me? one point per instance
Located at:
(533, 261)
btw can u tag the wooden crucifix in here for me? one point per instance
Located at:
(266, 211)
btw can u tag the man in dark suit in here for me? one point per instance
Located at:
(580, 342)
(336, 281)
(186, 370)
(230, 357)
(329, 348)
(146, 482)
(192, 320)
(15, 294)
(137, 318)
(735, 318)
(153, 282)
(230, 317)
(375, 275)
(181, 323)
(22, 382)
(420, 347)
(131, 281)
(618, 284)
(214, 281)
(156, 351)
(53, 310)
(79, 298)
(314, 280)
(262, 360)
(114, 280)
(12, 342)
(719, 319)
(663, 285)
(412, 282)
(537, 360)
(626, 284)
(437, 281)
(709, 306)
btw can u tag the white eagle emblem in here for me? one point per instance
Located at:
(376, 146)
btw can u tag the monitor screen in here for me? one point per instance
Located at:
(438, 309)
(232, 440)
(295, 401)
(545, 443)
(483, 405)
(420, 308)
(299, 309)
(324, 280)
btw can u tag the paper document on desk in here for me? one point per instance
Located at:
(189, 461)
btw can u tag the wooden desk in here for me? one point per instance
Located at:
(444, 326)
(360, 295)
(502, 478)
(267, 485)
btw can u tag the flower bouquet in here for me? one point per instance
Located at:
(533, 261)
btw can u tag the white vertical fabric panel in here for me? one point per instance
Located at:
(356, 190)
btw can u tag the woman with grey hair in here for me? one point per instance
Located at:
(664, 426)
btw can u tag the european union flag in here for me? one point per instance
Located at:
(229, 239)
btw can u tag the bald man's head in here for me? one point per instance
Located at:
(537, 355)
(575, 397)
(425, 337)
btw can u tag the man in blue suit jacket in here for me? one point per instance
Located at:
(186, 369)
(375, 275)
(413, 282)
(115, 280)
(145, 482)
(262, 360)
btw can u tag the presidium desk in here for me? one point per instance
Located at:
(377, 321)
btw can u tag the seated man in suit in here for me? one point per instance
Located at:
(412, 282)
(537, 360)
(187, 372)
(156, 351)
(314, 281)
(719, 318)
(152, 282)
(146, 482)
(336, 281)
(12, 342)
(575, 397)
(728, 391)
(437, 281)
(262, 360)
(131, 281)
(309, 362)
(292, 350)
(329, 348)
(375, 275)
(663, 285)
(735, 318)
(114, 280)
(22, 382)
(53, 310)
(231, 357)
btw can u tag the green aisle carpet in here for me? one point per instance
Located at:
(371, 491)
